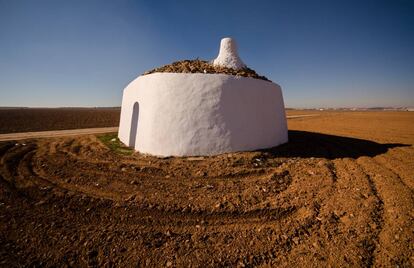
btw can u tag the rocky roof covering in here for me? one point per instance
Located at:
(200, 66)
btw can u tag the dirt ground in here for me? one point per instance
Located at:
(339, 194)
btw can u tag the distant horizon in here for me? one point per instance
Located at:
(119, 107)
(57, 53)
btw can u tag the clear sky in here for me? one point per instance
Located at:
(323, 53)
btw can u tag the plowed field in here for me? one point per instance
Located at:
(41, 119)
(340, 193)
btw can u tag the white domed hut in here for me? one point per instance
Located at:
(206, 113)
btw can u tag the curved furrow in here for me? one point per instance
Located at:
(370, 199)
(290, 243)
(5, 146)
(18, 170)
(405, 155)
(98, 184)
(98, 163)
(11, 160)
(398, 204)
(344, 227)
(372, 204)
(407, 150)
(284, 239)
(405, 172)
(191, 220)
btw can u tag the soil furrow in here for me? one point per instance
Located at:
(397, 202)
(404, 172)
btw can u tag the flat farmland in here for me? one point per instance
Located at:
(15, 120)
(41, 119)
(340, 193)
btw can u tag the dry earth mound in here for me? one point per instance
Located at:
(200, 66)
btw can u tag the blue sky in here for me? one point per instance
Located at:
(322, 53)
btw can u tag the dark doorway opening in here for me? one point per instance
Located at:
(134, 125)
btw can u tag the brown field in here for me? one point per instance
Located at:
(40, 119)
(340, 193)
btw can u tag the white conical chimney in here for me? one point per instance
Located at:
(228, 56)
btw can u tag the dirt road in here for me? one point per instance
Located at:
(56, 133)
(338, 196)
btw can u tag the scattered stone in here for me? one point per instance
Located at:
(195, 158)
(241, 264)
(396, 237)
(130, 198)
(202, 173)
(296, 240)
(40, 203)
(346, 220)
(200, 66)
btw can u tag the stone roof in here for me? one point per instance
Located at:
(200, 66)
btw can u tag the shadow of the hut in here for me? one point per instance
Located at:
(310, 144)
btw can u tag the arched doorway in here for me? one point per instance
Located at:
(134, 125)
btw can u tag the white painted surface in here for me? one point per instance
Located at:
(189, 114)
(228, 55)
